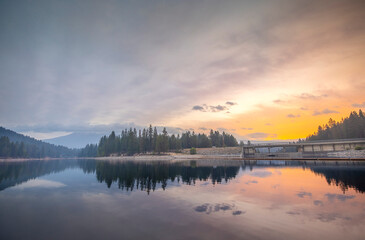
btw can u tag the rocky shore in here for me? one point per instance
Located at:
(348, 154)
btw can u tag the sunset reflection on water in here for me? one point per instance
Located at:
(189, 199)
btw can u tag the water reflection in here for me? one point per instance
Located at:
(13, 173)
(344, 177)
(205, 199)
(147, 176)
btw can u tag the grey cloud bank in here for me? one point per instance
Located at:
(76, 63)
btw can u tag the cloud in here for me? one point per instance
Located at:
(247, 128)
(325, 111)
(293, 213)
(260, 174)
(213, 208)
(231, 103)
(253, 181)
(278, 101)
(238, 212)
(311, 96)
(359, 105)
(303, 108)
(260, 135)
(199, 108)
(292, 116)
(206, 108)
(342, 198)
(84, 128)
(202, 208)
(39, 131)
(218, 108)
(329, 217)
(318, 202)
(40, 183)
(303, 194)
(204, 51)
(222, 207)
(203, 128)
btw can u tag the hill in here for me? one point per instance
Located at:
(14, 145)
(349, 127)
(76, 140)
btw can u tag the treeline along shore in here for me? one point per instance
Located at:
(15, 145)
(129, 142)
(352, 126)
(150, 141)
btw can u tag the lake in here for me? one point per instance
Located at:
(201, 199)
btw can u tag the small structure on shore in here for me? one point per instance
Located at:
(312, 149)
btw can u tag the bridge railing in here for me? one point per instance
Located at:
(335, 140)
(304, 142)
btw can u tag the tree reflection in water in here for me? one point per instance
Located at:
(344, 177)
(147, 176)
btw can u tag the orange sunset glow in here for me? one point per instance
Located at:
(182, 119)
(257, 70)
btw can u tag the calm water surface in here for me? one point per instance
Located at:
(204, 199)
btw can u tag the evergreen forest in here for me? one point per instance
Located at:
(352, 126)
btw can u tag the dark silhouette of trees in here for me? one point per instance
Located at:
(91, 150)
(10, 149)
(150, 141)
(344, 177)
(350, 127)
(149, 176)
(15, 145)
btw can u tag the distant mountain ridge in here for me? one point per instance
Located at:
(11, 142)
(76, 140)
(17, 137)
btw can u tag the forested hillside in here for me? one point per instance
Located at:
(149, 140)
(16, 145)
(349, 127)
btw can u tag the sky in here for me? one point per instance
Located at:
(261, 70)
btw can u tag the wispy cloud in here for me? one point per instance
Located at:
(292, 116)
(325, 111)
(260, 135)
(199, 108)
(218, 108)
(359, 105)
(278, 101)
(311, 96)
(303, 194)
(212, 108)
(342, 198)
(40, 183)
(251, 182)
(231, 103)
(207, 53)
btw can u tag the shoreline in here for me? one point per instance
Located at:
(183, 157)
